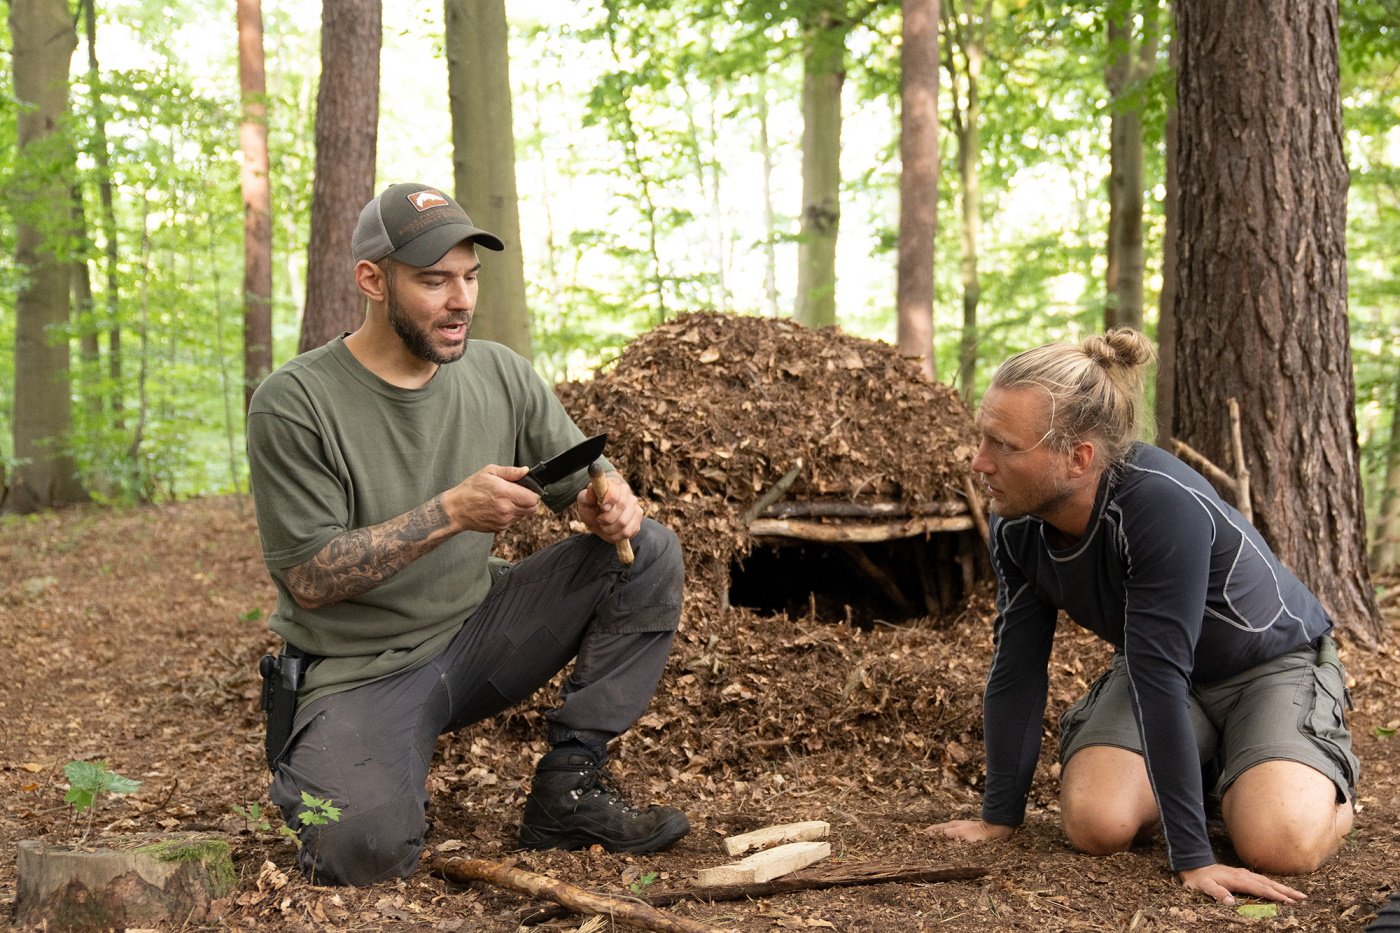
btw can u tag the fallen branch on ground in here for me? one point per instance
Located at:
(827, 876)
(628, 912)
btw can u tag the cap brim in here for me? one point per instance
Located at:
(431, 246)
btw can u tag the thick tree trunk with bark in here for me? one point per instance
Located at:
(483, 162)
(1261, 304)
(44, 39)
(823, 74)
(347, 127)
(918, 181)
(257, 201)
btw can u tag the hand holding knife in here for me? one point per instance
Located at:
(581, 455)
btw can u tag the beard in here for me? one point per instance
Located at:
(1040, 501)
(419, 340)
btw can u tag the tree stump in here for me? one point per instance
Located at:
(140, 882)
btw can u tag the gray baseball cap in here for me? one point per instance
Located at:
(415, 225)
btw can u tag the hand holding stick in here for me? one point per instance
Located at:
(600, 489)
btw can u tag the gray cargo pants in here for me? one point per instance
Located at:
(368, 749)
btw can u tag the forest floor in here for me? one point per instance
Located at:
(134, 638)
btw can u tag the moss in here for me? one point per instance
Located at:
(214, 855)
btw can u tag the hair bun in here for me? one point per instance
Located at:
(1121, 346)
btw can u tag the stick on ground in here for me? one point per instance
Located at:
(811, 879)
(632, 913)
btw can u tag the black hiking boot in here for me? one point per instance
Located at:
(572, 806)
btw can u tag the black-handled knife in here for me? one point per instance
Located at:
(561, 465)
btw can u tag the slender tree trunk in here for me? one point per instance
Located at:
(257, 201)
(43, 40)
(111, 249)
(483, 161)
(347, 127)
(968, 36)
(1166, 306)
(1385, 547)
(1261, 306)
(770, 224)
(1131, 60)
(823, 74)
(918, 182)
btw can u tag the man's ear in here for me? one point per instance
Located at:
(1083, 457)
(370, 280)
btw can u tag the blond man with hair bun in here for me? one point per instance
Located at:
(1225, 689)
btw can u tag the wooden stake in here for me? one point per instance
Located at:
(974, 505)
(1242, 495)
(774, 493)
(600, 489)
(827, 876)
(765, 865)
(805, 831)
(630, 913)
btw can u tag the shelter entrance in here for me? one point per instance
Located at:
(857, 573)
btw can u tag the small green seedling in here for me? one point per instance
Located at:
(318, 812)
(643, 882)
(87, 782)
(255, 816)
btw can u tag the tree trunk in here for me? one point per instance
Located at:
(347, 124)
(257, 201)
(918, 181)
(968, 36)
(43, 40)
(823, 74)
(770, 223)
(108, 222)
(1166, 306)
(483, 162)
(1130, 64)
(1261, 303)
(1385, 547)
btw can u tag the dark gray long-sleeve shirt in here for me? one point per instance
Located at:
(1174, 578)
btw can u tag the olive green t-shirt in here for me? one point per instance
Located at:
(332, 447)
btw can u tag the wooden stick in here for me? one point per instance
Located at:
(856, 534)
(600, 489)
(632, 913)
(1242, 495)
(825, 508)
(811, 879)
(1198, 460)
(974, 505)
(774, 493)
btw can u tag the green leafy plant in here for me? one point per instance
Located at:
(87, 782)
(318, 812)
(641, 884)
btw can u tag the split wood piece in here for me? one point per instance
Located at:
(628, 912)
(765, 865)
(600, 489)
(856, 534)
(805, 831)
(812, 879)
(1242, 494)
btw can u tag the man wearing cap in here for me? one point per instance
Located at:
(382, 465)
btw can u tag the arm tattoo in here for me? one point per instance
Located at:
(358, 560)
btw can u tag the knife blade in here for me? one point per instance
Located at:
(561, 465)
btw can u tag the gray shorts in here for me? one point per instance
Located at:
(1240, 721)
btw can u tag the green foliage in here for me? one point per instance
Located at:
(89, 780)
(639, 886)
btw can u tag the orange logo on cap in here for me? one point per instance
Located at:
(423, 200)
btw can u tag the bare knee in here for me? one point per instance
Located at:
(1105, 801)
(1284, 819)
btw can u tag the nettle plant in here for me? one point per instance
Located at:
(88, 782)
